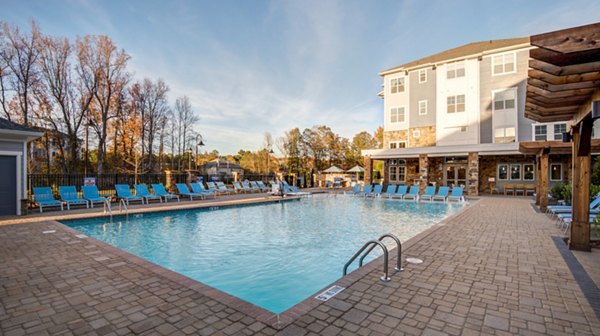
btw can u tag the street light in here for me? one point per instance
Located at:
(268, 159)
(200, 143)
(190, 151)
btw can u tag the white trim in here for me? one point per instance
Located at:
(426, 107)
(507, 171)
(405, 115)
(20, 166)
(419, 72)
(416, 133)
(450, 150)
(514, 70)
(561, 171)
(403, 84)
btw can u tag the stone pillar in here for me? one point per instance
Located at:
(168, 180)
(423, 171)
(368, 170)
(386, 172)
(473, 174)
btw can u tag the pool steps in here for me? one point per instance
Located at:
(371, 244)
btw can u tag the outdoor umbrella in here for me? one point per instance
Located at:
(356, 169)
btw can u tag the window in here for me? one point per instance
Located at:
(503, 172)
(528, 173)
(515, 171)
(456, 103)
(393, 145)
(540, 133)
(397, 144)
(456, 69)
(504, 63)
(416, 133)
(556, 172)
(504, 134)
(422, 75)
(422, 107)
(504, 100)
(559, 129)
(397, 171)
(397, 85)
(397, 115)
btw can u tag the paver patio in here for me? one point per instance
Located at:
(492, 269)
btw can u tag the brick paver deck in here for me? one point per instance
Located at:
(492, 269)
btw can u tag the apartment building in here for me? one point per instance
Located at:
(456, 118)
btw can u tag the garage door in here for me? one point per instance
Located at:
(8, 185)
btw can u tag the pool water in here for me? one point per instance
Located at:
(272, 255)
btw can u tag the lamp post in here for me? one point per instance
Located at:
(268, 161)
(200, 143)
(190, 152)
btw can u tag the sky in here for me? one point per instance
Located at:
(253, 66)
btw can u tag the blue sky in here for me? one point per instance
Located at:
(253, 66)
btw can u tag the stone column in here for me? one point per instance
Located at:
(423, 171)
(473, 174)
(368, 170)
(386, 172)
(168, 180)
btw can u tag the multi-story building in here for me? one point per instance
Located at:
(457, 117)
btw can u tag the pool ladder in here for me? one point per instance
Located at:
(369, 246)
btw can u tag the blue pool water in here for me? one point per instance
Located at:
(272, 255)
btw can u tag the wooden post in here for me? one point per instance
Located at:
(386, 172)
(538, 165)
(582, 166)
(543, 181)
(368, 170)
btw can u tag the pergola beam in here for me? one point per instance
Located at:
(563, 87)
(570, 40)
(564, 79)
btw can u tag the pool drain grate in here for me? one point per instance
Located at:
(329, 293)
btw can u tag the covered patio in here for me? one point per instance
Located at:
(564, 85)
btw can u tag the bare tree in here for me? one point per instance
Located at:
(186, 119)
(102, 68)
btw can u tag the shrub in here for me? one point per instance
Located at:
(557, 191)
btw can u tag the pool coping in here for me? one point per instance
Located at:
(277, 321)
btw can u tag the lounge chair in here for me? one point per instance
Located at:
(457, 195)
(355, 190)
(44, 198)
(246, 186)
(556, 209)
(442, 194)
(294, 191)
(198, 188)
(222, 188)
(92, 195)
(413, 193)
(160, 190)
(262, 186)
(124, 192)
(391, 189)
(238, 187)
(211, 186)
(376, 191)
(254, 186)
(142, 191)
(68, 194)
(183, 190)
(366, 190)
(428, 194)
(400, 192)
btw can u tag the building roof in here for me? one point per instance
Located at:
(471, 49)
(13, 126)
(12, 130)
(452, 150)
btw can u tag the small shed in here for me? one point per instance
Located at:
(13, 165)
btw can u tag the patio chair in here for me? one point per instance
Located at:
(246, 186)
(442, 194)
(262, 186)
(222, 188)
(400, 192)
(211, 186)
(457, 195)
(68, 194)
(160, 190)
(530, 188)
(391, 189)
(293, 190)
(519, 188)
(238, 187)
(198, 188)
(92, 195)
(376, 191)
(124, 192)
(355, 190)
(44, 198)
(142, 191)
(366, 190)
(183, 190)
(254, 186)
(413, 193)
(428, 194)
(509, 188)
(557, 209)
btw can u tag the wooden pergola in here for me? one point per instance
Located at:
(563, 84)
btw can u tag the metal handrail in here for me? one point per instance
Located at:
(398, 267)
(123, 205)
(106, 206)
(385, 276)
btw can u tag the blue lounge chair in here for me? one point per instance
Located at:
(391, 189)
(246, 186)
(124, 192)
(183, 190)
(160, 190)
(556, 209)
(413, 193)
(366, 190)
(355, 190)
(294, 191)
(400, 192)
(44, 198)
(255, 187)
(442, 194)
(238, 187)
(92, 195)
(212, 187)
(68, 194)
(457, 195)
(376, 191)
(262, 186)
(222, 188)
(428, 194)
(142, 191)
(198, 188)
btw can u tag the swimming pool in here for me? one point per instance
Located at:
(272, 255)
